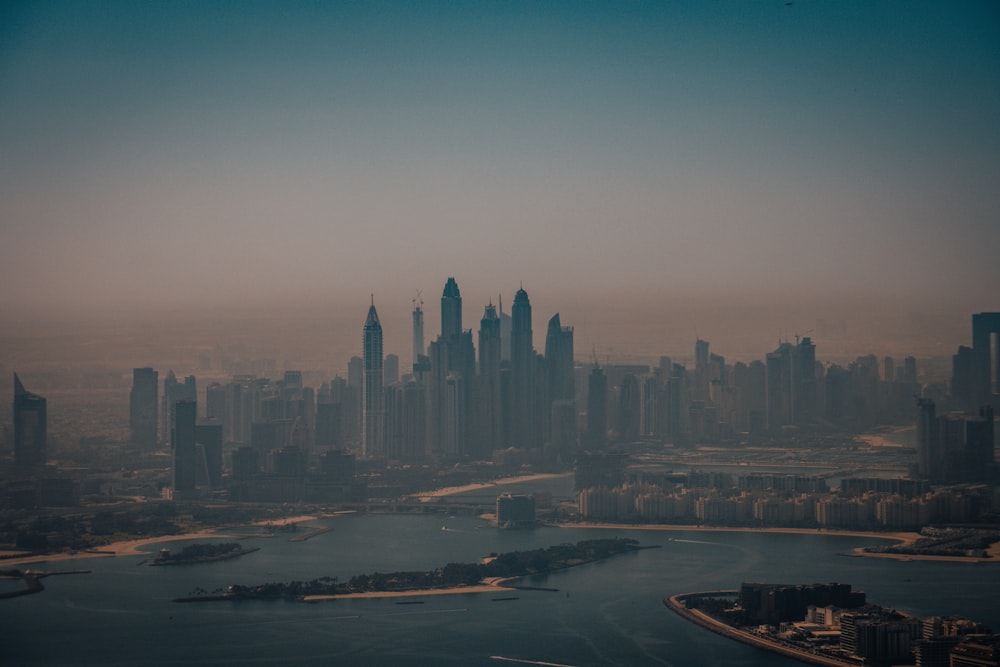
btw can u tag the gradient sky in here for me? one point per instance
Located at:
(208, 153)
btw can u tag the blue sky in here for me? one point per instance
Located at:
(192, 153)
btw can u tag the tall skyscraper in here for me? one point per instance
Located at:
(986, 359)
(374, 394)
(525, 430)
(418, 329)
(597, 409)
(174, 391)
(489, 401)
(208, 436)
(956, 447)
(451, 310)
(184, 439)
(559, 387)
(144, 407)
(791, 384)
(30, 426)
(559, 360)
(451, 379)
(505, 328)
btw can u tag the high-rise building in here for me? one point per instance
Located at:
(559, 360)
(597, 409)
(451, 310)
(184, 438)
(374, 395)
(30, 426)
(489, 399)
(328, 432)
(215, 403)
(414, 443)
(556, 385)
(791, 384)
(208, 436)
(956, 447)
(451, 380)
(353, 401)
(174, 391)
(144, 408)
(418, 329)
(986, 359)
(391, 369)
(629, 406)
(525, 429)
(506, 326)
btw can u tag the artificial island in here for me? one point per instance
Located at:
(492, 573)
(835, 626)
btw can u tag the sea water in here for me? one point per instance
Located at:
(604, 613)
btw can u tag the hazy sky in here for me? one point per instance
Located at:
(201, 153)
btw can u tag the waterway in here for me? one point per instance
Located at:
(605, 613)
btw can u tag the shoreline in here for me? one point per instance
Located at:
(455, 590)
(903, 538)
(453, 490)
(677, 604)
(134, 547)
(122, 548)
(899, 536)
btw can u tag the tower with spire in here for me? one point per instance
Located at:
(374, 396)
(451, 381)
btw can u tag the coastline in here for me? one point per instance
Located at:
(452, 490)
(123, 548)
(903, 538)
(134, 547)
(677, 604)
(484, 587)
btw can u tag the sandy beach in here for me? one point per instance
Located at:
(458, 590)
(452, 490)
(124, 548)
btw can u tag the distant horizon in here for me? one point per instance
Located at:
(615, 331)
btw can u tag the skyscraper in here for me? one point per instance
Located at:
(418, 328)
(144, 407)
(559, 360)
(986, 359)
(451, 379)
(451, 310)
(525, 431)
(184, 440)
(374, 396)
(30, 425)
(597, 409)
(791, 384)
(559, 387)
(174, 391)
(488, 396)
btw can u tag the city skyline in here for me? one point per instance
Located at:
(637, 158)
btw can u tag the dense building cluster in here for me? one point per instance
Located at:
(503, 401)
(741, 506)
(843, 625)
